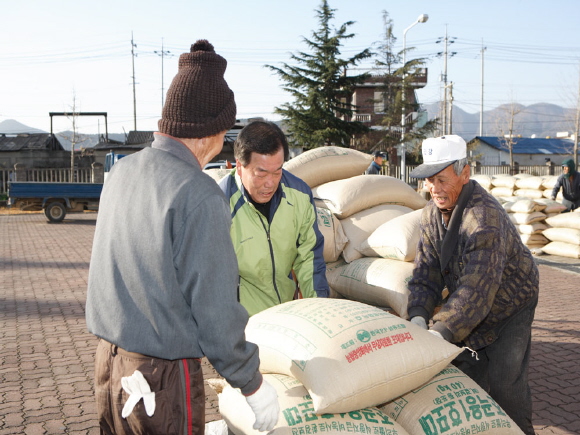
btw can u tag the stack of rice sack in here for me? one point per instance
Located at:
(527, 199)
(370, 225)
(564, 235)
(340, 367)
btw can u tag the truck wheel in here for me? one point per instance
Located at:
(55, 212)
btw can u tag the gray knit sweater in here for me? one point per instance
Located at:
(163, 274)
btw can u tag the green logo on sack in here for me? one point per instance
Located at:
(363, 336)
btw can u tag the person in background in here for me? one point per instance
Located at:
(569, 182)
(469, 246)
(376, 165)
(163, 273)
(274, 223)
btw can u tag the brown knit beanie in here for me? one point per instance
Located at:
(199, 102)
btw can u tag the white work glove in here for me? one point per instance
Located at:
(436, 334)
(419, 321)
(264, 403)
(137, 387)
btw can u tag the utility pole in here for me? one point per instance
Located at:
(445, 54)
(481, 105)
(133, 46)
(577, 124)
(162, 53)
(450, 129)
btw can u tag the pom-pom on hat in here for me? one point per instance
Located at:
(199, 102)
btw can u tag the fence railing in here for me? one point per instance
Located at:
(44, 175)
(85, 175)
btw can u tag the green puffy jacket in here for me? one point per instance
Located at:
(269, 249)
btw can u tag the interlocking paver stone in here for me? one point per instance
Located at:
(46, 363)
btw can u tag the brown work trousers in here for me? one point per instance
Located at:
(178, 388)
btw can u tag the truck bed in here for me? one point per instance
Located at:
(30, 189)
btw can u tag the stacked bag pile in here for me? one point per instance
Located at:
(563, 234)
(341, 366)
(370, 225)
(527, 199)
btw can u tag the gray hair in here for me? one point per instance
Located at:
(459, 165)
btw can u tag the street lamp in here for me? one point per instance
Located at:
(422, 19)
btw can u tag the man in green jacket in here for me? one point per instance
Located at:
(274, 228)
(469, 246)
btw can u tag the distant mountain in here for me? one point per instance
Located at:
(11, 126)
(541, 120)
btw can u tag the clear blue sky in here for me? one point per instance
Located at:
(54, 54)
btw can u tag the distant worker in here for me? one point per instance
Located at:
(469, 246)
(274, 223)
(163, 276)
(569, 182)
(376, 166)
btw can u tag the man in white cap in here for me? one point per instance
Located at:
(469, 246)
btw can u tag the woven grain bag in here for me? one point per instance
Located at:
(503, 180)
(323, 164)
(349, 196)
(359, 226)
(331, 229)
(551, 205)
(527, 206)
(567, 235)
(297, 414)
(565, 220)
(450, 403)
(347, 354)
(396, 239)
(530, 182)
(527, 218)
(562, 249)
(377, 281)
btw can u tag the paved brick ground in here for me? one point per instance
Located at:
(46, 358)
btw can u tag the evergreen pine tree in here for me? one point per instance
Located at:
(321, 111)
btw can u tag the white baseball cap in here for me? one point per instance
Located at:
(438, 153)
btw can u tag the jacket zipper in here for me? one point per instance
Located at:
(267, 229)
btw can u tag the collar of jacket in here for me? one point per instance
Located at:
(451, 236)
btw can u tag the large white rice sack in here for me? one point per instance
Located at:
(297, 414)
(562, 249)
(548, 194)
(328, 163)
(567, 235)
(331, 229)
(351, 195)
(524, 206)
(529, 193)
(549, 182)
(526, 218)
(396, 239)
(376, 281)
(503, 180)
(359, 226)
(531, 182)
(551, 205)
(347, 354)
(565, 220)
(483, 180)
(534, 239)
(451, 402)
(533, 228)
(502, 191)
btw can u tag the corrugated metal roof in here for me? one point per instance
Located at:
(40, 141)
(528, 145)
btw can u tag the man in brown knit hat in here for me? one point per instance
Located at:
(155, 298)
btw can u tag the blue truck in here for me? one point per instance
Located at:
(58, 199)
